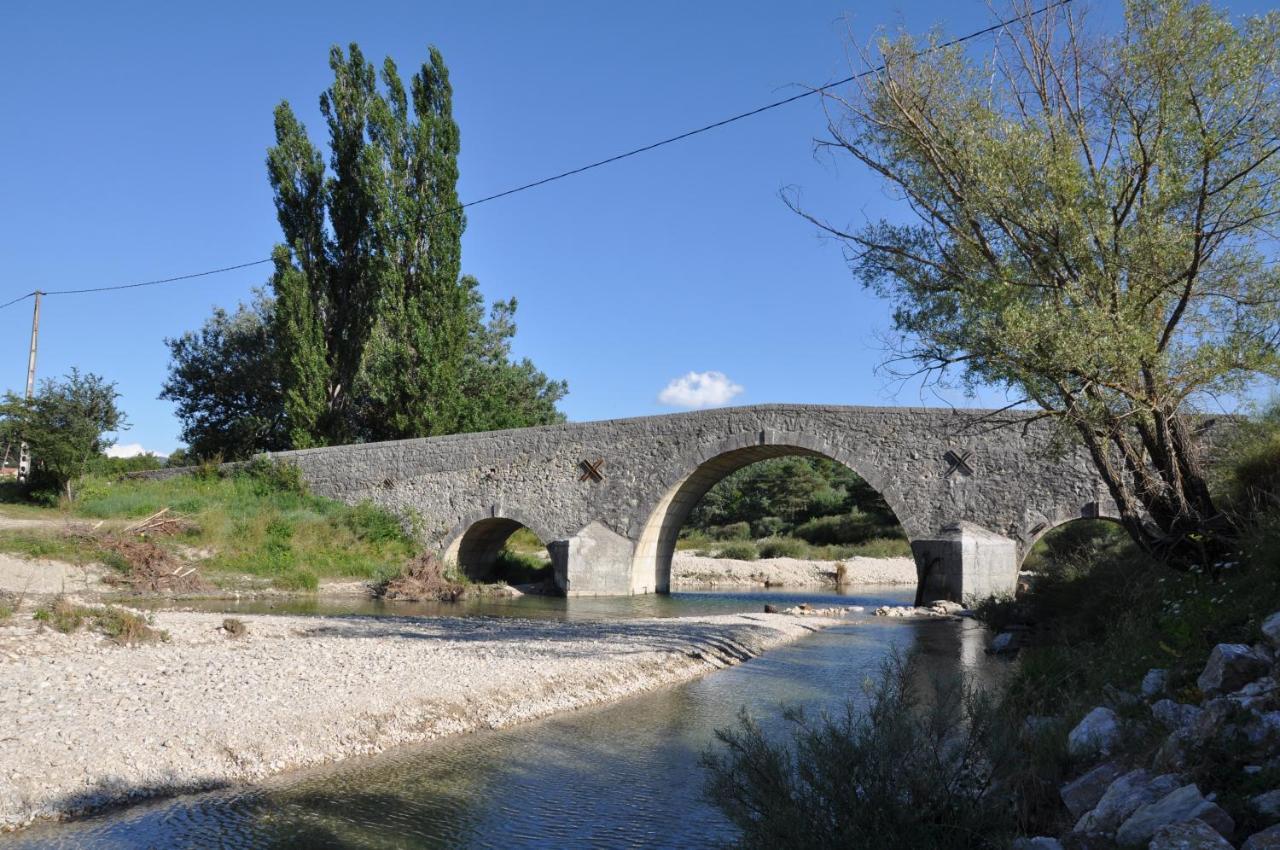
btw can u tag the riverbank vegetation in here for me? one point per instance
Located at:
(258, 521)
(794, 507)
(1151, 291)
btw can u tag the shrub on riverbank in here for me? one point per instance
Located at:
(782, 547)
(515, 567)
(124, 627)
(912, 770)
(738, 550)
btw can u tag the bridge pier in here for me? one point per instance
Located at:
(594, 562)
(965, 562)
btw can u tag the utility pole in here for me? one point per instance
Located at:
(24, 452)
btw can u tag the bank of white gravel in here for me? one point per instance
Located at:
(88, 723)
(691, 571)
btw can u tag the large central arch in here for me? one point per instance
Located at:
(651, 563)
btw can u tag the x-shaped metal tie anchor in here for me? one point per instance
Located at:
(959, 461)
(591, 470)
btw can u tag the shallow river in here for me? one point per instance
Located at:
(622, 775)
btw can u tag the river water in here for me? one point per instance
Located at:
(622, 775)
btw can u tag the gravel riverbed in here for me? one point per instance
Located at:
(88, 723)
(690, 570)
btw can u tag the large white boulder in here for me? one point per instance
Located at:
(1231, 666)
(1183, 804)
(1122, 798)
(1154, 683)
(1188, 835)
(1271, 629)
(1096, 734)
(1176, 715)
(1082, 794)
(1268, 839)
(1266, 804)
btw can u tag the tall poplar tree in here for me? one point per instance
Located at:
(377, 331)
(413, 383)
(373, 332)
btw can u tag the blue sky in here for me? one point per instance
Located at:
(135, 134)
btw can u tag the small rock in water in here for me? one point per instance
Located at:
(1004, 643)
(771, 609)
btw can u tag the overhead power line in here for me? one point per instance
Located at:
(600, 162)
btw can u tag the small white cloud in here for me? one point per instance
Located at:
(129, 450)
(700, 389)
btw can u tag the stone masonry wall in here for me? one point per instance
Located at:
(935, 467)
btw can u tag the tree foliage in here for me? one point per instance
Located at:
(64, 424)
(373, 332)
(226, 384)
(1090, 226)
(785, 495)
(380, 335)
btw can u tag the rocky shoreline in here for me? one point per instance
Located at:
(1124, 798)
(90, 723)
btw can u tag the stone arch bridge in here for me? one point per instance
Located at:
(973, 489)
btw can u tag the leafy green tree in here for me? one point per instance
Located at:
(498, 392)
(373, 332)
(1090, 224)
(64, 425)
(375, 321)
(778, 495)
(226, 382)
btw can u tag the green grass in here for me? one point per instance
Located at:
(876, 547)
(792, 547)
(34, 543)
(259, 523)
(123, 627)
(525, 542)
(520, 568)
(783, 547)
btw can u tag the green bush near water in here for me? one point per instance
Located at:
(520, 568)
(783, 547)
(738, 550)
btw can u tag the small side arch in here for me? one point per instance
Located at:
(699, 471)
(475, 541)
(1088, 514)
